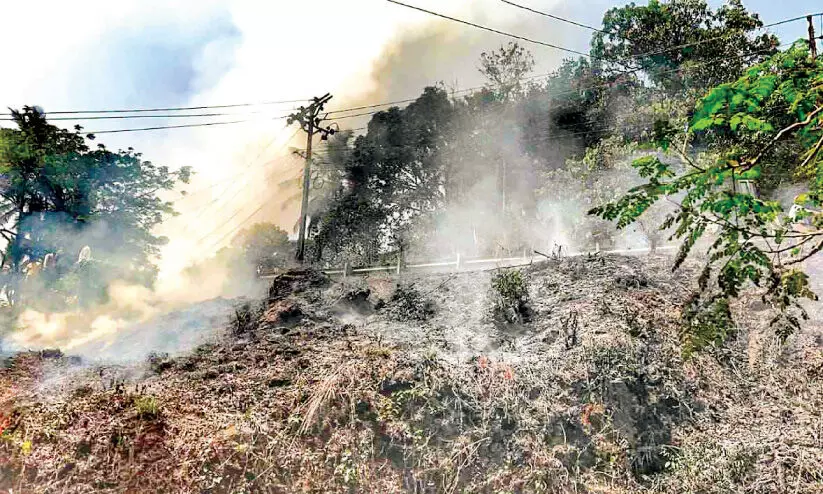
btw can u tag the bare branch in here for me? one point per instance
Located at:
(817, 248)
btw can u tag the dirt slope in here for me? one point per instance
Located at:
(329, 388)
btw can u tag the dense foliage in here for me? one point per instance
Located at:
(767, 119)
(263, 244)
(76, 218)
(685, 121)
(678, 42)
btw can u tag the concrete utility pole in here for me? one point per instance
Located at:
(310, 121)
(812, 39)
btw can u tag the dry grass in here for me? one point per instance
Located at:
(323, 406)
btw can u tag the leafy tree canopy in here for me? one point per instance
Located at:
(640, 37)
(58, 196)
(505, 69)
(262, 242)
(776, 103)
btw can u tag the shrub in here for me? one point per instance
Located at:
(245, 317)
(706, 323)
(159, 362)
(147, 407)
(510, 293)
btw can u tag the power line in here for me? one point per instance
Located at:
(206, 124)
(240, 209)
(569, 21)
(176, 115)
(492, 30)
(793, 19)
(641, 55)
(161, 127)
(455, 92)
(546, 14)
(245, 172)
(577, 89)
(700, 42)
(180, 108)
(263, 103)
(234, 215)
(235, 229)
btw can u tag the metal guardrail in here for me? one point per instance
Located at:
(460, 264)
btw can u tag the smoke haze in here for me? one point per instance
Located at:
(152, 54)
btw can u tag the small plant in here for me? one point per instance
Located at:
(346, 470)
(408, 304)
(511, 295)
(159, 362)
(147, 407)
(707, 323)
(245, 317)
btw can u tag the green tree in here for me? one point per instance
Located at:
(505, 69)
(262, 242)
(640, 37)
(58, 196)
(776, 105)
(392, 178)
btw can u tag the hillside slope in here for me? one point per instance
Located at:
(341, 387)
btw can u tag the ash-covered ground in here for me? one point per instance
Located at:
(584, 294)
(347, 387)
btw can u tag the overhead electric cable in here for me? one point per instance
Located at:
(568, 91)
(569, 21)
(546, 14)
(291, 101)
(582, 88)
(235, 229)
(175, 115)
(248, 168)
(181, 108)
(640, 55)
(793, 19)
(161, 127)
(486, 28)
(206, 124)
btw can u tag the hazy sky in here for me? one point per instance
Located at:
(103, 54)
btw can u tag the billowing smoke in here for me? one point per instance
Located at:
(236, 51)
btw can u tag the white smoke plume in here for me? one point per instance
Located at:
(151, 54)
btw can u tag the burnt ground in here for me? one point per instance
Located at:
(340, 387)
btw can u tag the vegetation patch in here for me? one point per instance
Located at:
(510, 295)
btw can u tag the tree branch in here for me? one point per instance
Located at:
(682, 153)
(817, 248)
(778, 137)
(813, 153)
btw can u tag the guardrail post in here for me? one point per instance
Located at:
(399, 261)
(459, 262)
(346, 269)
